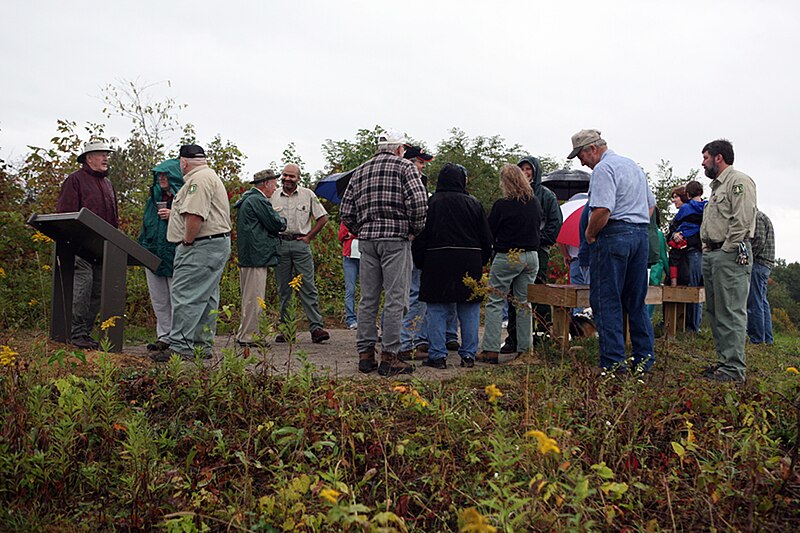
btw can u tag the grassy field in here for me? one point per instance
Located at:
(547, 445)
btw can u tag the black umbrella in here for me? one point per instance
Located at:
(566, 183)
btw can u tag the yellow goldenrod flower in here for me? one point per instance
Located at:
(474, 522)
(33, 302)
(493, 392)
(261, 303)
(38, 236)
(793, 370)
(296, 282)
(2, 272)
(46, 268)
(109, 323)
(7, 355)
(546, 444)
(332, 495)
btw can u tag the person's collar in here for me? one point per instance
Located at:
(96, 173)
(287, 194)
(723, 175)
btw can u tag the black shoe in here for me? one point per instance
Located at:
(279, 338)
(707, 371)
(158, 346)
(721, 377)
(163, 356)
(87, 343)
(422, 348)
(452, 346)
(467, 362)
(440, 363)
(509, 347)
(367, 365)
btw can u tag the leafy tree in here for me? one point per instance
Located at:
(344, 155)
(481, 156)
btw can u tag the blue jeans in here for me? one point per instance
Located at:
(439, 315)
(759, 313)
(694, 312)
(619, 285)
(415, 321)
(350, 267)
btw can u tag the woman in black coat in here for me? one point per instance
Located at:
(456, 242)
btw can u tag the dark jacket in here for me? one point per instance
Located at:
(153, 236)
(258, 226)
(92, 190)
(551, 213)
(456, 240)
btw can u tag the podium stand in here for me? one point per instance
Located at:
(86, 235)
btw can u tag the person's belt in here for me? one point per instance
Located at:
(290, 236)
(714, 245)
(215, 236)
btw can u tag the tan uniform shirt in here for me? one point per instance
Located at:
(204, 195)
(301, 209)
(730, 216)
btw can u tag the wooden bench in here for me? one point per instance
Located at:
(563, 298)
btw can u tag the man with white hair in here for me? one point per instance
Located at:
(89, 187)
(385, 205)
(201, 223)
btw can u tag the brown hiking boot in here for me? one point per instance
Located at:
(391, 365)
(319, 335)
(488, 357)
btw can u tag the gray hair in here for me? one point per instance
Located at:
(195, 161)
(389, 147)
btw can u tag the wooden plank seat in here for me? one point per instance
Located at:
(562, 298)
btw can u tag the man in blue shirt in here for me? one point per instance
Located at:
(621, 203)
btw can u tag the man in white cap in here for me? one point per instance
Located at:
(385, 205)
(89, 187)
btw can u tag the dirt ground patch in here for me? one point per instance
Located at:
(337, 357)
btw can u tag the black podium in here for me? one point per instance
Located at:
(88, 236)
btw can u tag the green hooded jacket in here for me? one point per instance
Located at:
(153, 236)
(551, 213)
(258, 226)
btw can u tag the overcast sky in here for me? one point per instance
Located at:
(658, 78)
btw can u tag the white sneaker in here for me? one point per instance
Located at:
(354, 325)
(505, 324)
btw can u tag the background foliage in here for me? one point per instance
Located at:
(32, 184)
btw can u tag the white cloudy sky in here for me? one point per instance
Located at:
(658, 78)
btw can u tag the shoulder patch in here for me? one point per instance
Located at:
(738, 189)
(192, 188)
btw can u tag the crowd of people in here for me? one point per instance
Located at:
(416, 253)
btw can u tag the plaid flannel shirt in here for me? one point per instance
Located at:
(763, 241)
(385, 199)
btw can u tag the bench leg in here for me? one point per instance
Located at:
(674, 318)
(561, 327)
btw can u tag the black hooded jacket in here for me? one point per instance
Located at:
(456, 240)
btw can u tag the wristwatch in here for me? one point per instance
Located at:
(187, 243)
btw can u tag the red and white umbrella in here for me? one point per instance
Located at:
(571, 213)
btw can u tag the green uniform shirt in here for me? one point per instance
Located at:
(204, 195)
(730, 216)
